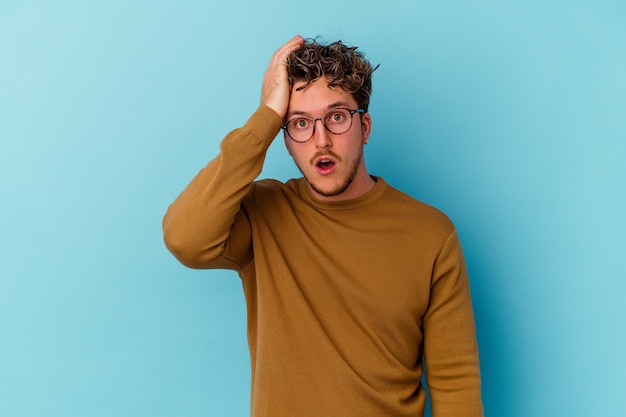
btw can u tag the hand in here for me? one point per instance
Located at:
(275, 92)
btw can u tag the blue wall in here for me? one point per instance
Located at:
(508, 115)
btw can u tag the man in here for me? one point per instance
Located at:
(349, 283)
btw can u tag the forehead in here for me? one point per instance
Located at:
(317, 98)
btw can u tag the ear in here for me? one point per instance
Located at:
(366, 126)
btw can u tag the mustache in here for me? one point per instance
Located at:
(319, 154)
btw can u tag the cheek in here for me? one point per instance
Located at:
(298, 153)
(287, 144)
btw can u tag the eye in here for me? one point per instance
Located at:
(300, 124)
(337, 116)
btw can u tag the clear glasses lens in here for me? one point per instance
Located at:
(337, 121)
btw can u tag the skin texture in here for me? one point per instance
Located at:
(345, 176)
(275, 91)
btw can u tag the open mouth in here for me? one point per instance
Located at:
(325, 165)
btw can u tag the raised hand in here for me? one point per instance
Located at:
(275, 91)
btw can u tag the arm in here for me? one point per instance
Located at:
(199, 224)
(450, 348)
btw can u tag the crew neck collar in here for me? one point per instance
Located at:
(366, 198)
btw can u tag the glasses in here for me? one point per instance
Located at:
(337, 121)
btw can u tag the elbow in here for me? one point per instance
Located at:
(179, 249)
(185, 250)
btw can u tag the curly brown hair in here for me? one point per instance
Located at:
(343, 66)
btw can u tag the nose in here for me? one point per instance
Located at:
(321, 136)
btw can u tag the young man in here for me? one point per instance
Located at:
(349, 283)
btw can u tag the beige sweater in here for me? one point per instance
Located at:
(344, 299)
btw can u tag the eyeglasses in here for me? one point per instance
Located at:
(337, 121)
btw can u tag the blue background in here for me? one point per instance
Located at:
(507, 115)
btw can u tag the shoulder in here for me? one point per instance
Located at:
(416, 212)
(269, 186)
(268, 192)
(271, 189)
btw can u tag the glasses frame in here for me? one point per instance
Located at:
(322, 119)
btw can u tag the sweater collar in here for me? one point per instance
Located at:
(368, 197)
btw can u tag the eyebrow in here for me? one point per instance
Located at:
(331, 106)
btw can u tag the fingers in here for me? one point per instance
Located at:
(277, 64)
(283, 52)
(275, 91)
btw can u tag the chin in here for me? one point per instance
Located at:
(333, 190)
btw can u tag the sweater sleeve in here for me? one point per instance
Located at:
(450, 348)
(205, 226)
